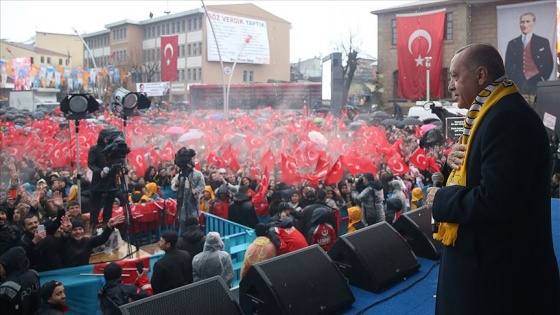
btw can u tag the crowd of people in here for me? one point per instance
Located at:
(44, 227)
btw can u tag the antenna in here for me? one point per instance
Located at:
(167, 11)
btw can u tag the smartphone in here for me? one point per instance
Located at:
(40, 228)
(139, 267)
(13, 194)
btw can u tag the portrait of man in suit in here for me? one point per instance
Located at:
(528, 56)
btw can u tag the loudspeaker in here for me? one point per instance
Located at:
(305, 281)
(209, 296)
(416, 229)
(375, 257)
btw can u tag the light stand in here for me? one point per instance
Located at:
(428, 64)
(76, 107)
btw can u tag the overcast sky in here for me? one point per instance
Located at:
(316, 25)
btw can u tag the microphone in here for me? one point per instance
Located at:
(437, 179)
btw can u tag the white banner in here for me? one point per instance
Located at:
(240, 39)
(153, 88)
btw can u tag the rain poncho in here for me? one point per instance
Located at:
(213, 261)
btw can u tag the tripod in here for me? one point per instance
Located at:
(122, 191)
(182, 200)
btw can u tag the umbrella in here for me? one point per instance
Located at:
(380, 114)
(318, 138)
(175, 130)
(409, 121)
(364, 117)
(355, 125)
(191, 135)
(427, 127)
(391, 122)
(216, 116)
(20, 121)
(318, 120)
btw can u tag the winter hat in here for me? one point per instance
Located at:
(261, 229)
(48, 288)
(394, 204)
(3, 209)
(77, 224)
(112, 271)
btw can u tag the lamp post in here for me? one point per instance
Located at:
(92, 59)
(428, 64)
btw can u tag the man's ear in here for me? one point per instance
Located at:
(482, 76)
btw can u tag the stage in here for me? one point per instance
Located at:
(413, 295)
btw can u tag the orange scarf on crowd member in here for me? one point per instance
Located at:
(486, 99)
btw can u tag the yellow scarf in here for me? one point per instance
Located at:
(486, 99)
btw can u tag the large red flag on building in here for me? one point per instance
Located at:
(420, 35)
(169, 52)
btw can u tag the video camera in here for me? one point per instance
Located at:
(116, 149)
(184, 157)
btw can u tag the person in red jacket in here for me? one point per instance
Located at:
(286, 237)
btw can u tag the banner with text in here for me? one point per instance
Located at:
(240, 39)
(153, 88)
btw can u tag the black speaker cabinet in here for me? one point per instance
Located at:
(209, 296)
(305, 281)
(374, 258)
(416, 229)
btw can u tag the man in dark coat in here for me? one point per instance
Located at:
(528, 56)
(103, 180)
(498, 257)
(19, 290)
(53, 298)
(115, 293)
(242, 210)
(174, 269)
(9, 234)
(193, 237)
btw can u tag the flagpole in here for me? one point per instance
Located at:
(92, 59)
(428, 63)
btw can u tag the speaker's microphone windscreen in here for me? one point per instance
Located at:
(437, 179)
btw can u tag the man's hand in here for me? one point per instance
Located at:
(57, 198)
(430, 198)
(115, 221)
(66, 224)
(456, 156)
(39, 236)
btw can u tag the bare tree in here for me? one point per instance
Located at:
(146, 69)
(350, 48)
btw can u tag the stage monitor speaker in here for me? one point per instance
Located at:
(209, 296)
(305, 281)
(374, 258)
(416, 228)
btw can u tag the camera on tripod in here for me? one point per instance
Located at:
(184, 157)
(116, 150)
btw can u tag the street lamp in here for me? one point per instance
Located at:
(92, 59)
(428, 63)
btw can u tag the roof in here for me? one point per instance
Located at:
(243, 9)
(425, 4)
(34, 49)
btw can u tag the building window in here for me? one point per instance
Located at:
(195, 50)
(248, 76)
(189, 50)
(173, 28)
(194, 75)
(60, 62)
(200, 74)
(66, 62)
(167, 28)
(445, 77)
(182, 75)
(200, 22)
(158, 30)
(189, 75)
(448, 26)
(183, 26)
(200, 48)
(189, 21)
(49, 60)
(395, 83)
(394, 31)
(42, 59)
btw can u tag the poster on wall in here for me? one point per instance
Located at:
(526, 41)
(153, 88)
(240, 39)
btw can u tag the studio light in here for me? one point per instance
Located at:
(129, 101)
(78, 106)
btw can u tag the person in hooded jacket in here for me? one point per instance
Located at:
(19, 291)
(193, 238)
(101, 181)
(371, 198)
(355, 219)
(242, 210)
(213, 261)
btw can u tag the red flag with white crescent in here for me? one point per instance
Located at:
(335, 173)
(397, 165)
(418, 159)
(137, 161)
(420, 35)
(168, 152)
(169, 52)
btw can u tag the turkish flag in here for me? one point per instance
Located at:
(267, 160)
(418, 159)
(168, 152)
(289, 175)
(137, 161)
(335, 173)
(230, 159)
(397, 165)
(254, 142)
(216, 160)
(155, 158)
(169, 52)
(420, 35)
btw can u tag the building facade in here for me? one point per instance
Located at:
(466, 22)
(135, 47)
